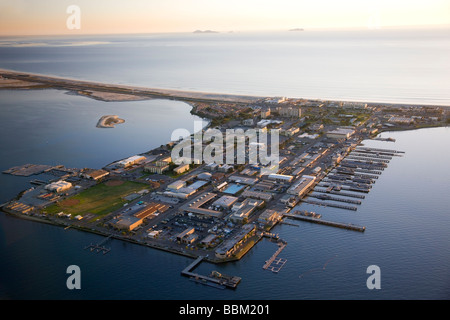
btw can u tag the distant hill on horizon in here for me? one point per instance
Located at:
(205, 31)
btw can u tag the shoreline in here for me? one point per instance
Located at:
(143, 92)
(81, 87)
(115, 236)
(117, 92)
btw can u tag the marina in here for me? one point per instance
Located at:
(354, 173)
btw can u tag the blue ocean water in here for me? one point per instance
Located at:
(385, 65)
(406, 213)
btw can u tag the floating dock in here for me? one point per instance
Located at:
(215, 280)
(99, 246)
(275, 264)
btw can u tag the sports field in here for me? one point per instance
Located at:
(99, 200)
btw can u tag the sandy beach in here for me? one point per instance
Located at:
(112, 92)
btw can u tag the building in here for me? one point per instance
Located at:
(269, 216)
(248, 122)
(18, 207)
(156, 169)
(290, 112)
(301, 186)
(233, 188)
(204, 176)
(197, 206)
(218, 176)
(401, 120)
(163, 161)
(150, 210)
(59, 186)
(176, 185)
(187, 236)
(280, 177)
(225, 168)
(211, 166)
(257, 195)
(125, 163)
(243, 180)
(128, 223)
(94, 174)
(340, 133)
(154, 234)
(356, 105)
(180, 169)
(229, 247)
(243, 210)
(209, 240)
(194, 186)
(225, 202)
(290, 132)
(297, 171)
(265, 113)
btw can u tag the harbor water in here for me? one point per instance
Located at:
(405, 214)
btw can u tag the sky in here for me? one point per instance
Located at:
(47, 17)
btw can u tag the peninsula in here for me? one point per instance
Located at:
(218, 212)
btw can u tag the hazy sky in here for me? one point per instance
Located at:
(18, 17)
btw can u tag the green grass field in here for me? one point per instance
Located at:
(99, 200)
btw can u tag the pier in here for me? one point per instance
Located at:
(325, 204)
(216, 279)
(341, 193)
(328, 197)
(99, 247)
(275, 264)
(38, 182)
(378, 150)
(347, 226)
(368, 159)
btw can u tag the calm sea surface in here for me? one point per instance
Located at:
(406, 213)
(386, 65)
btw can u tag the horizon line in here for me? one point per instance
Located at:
(75, 33)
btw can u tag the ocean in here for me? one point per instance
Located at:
(381, 65)
(405, 214)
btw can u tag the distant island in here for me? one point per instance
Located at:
(109, 121)
(205, 31)
(297, 29)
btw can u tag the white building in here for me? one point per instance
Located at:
(177, 185)
(130, 161)
(280, 177)
(58, 186)
(290, 112)
(340, 133)
(301, 186)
